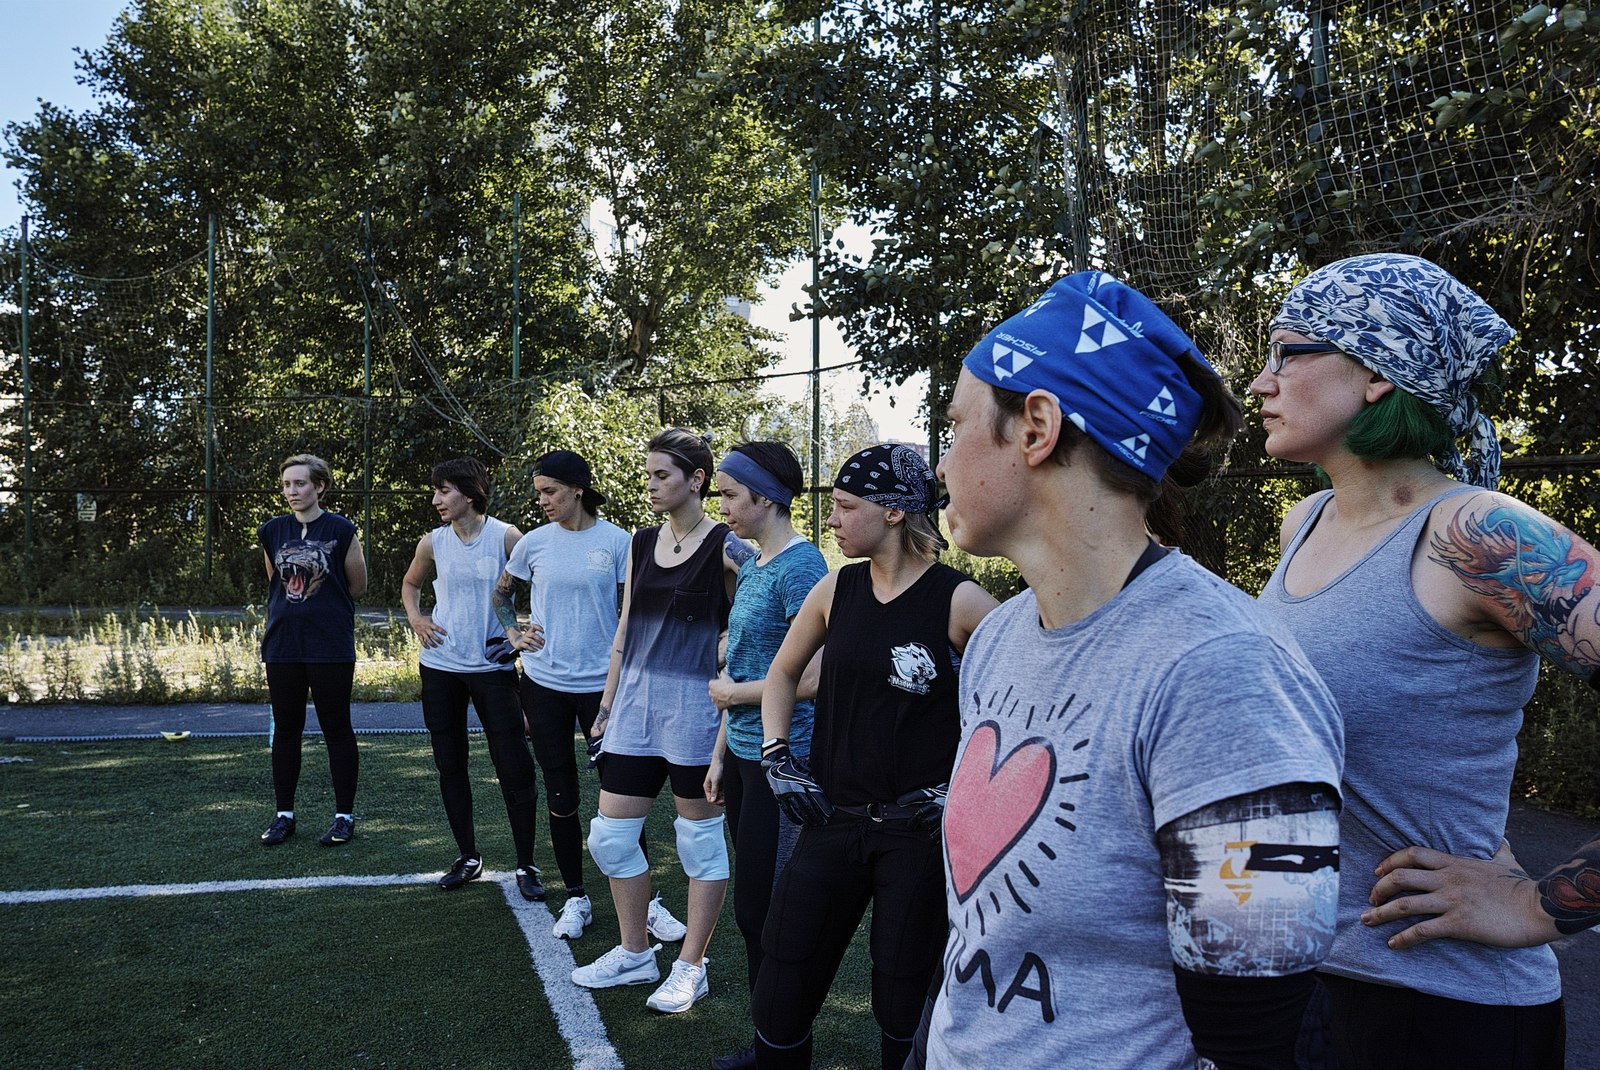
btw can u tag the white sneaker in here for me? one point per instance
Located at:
(575, 917)
(683, 986)
(619, 966)
(662, 925)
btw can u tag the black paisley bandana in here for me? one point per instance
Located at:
(895, 477)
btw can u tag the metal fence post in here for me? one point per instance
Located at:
(516, 285)
(27, 425)
(211, 416)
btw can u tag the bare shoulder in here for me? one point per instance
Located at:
(820, 600)
(969, 604)
(1294, 518)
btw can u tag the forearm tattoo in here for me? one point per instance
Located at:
(503, 599)
(1253, 882)
(1538, 577)
(1571, 893)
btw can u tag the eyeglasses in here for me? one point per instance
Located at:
(1278, 353)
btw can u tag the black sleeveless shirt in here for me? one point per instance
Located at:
(888, 716)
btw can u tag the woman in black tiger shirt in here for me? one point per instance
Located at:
(885, 737)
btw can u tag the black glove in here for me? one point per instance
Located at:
(800, 796)
(499, 650)
(928, 804)
(595, 753)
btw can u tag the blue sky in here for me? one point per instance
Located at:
(36, 61)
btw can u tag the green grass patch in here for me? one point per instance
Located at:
(386, 976)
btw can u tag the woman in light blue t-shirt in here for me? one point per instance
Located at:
(575, 564)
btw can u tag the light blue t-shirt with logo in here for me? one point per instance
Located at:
(767, 598)
(575, 576)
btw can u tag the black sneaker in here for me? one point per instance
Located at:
(463, 870)
(343, 830)
(743, 1059)
(280, 829)
(529, 885)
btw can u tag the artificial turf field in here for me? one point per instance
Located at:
(314, 956)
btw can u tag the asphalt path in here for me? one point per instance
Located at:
(1541, 839)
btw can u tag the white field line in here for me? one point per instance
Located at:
(576, 1015)
(137, 891)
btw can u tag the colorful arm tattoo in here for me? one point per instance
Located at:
(1253, 882)
(1571, 893)
(1536, 578)
(503, 599)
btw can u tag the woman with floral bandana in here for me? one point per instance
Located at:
(1426, 601)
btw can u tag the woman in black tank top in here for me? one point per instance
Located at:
(884, 741)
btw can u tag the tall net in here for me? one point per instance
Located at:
(1212, 150)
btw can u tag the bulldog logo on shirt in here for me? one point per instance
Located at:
(913, 668)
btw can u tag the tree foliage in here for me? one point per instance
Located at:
(361, 160)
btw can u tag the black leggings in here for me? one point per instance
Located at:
(329, 685)
(553, 716)
(1380, 1026)
(835, 872)
(763, 840)
(444, 710)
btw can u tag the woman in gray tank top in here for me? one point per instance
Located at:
(656, 723)
(1426, 601)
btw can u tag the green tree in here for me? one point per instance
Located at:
(361, 159)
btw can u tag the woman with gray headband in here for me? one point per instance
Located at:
(757, 482)
(1426, 601)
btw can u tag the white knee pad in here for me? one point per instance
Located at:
(702, 848)
(614, 846)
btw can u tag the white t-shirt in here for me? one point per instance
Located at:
(575, 577)
(1076, 745)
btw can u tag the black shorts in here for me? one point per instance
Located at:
(642, 776)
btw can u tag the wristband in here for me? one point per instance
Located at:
(775, 741)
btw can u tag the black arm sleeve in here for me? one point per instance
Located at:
(1244, 1023)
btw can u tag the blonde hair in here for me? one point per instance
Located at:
(920, 537)
(315, 467)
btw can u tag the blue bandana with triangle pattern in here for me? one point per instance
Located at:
(1108, 356)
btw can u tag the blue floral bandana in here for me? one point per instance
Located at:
(1108, 356)
(1418, 326)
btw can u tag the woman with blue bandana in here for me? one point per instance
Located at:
(1141, 835)
(1426, 600)
(757, 482)
(883, 737)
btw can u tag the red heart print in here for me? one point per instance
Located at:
(992, 803)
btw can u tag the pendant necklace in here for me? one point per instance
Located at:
(677, 544)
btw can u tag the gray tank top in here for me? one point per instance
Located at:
(467, 572)
(1430, 738)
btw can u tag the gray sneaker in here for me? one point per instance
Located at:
(619, 966)
(662, 925)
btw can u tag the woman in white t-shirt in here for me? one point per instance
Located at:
(575, 564)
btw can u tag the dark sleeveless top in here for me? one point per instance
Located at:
(675, 617)
(310, 615)
(887, 713)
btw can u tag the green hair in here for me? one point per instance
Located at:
(1396, 426)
